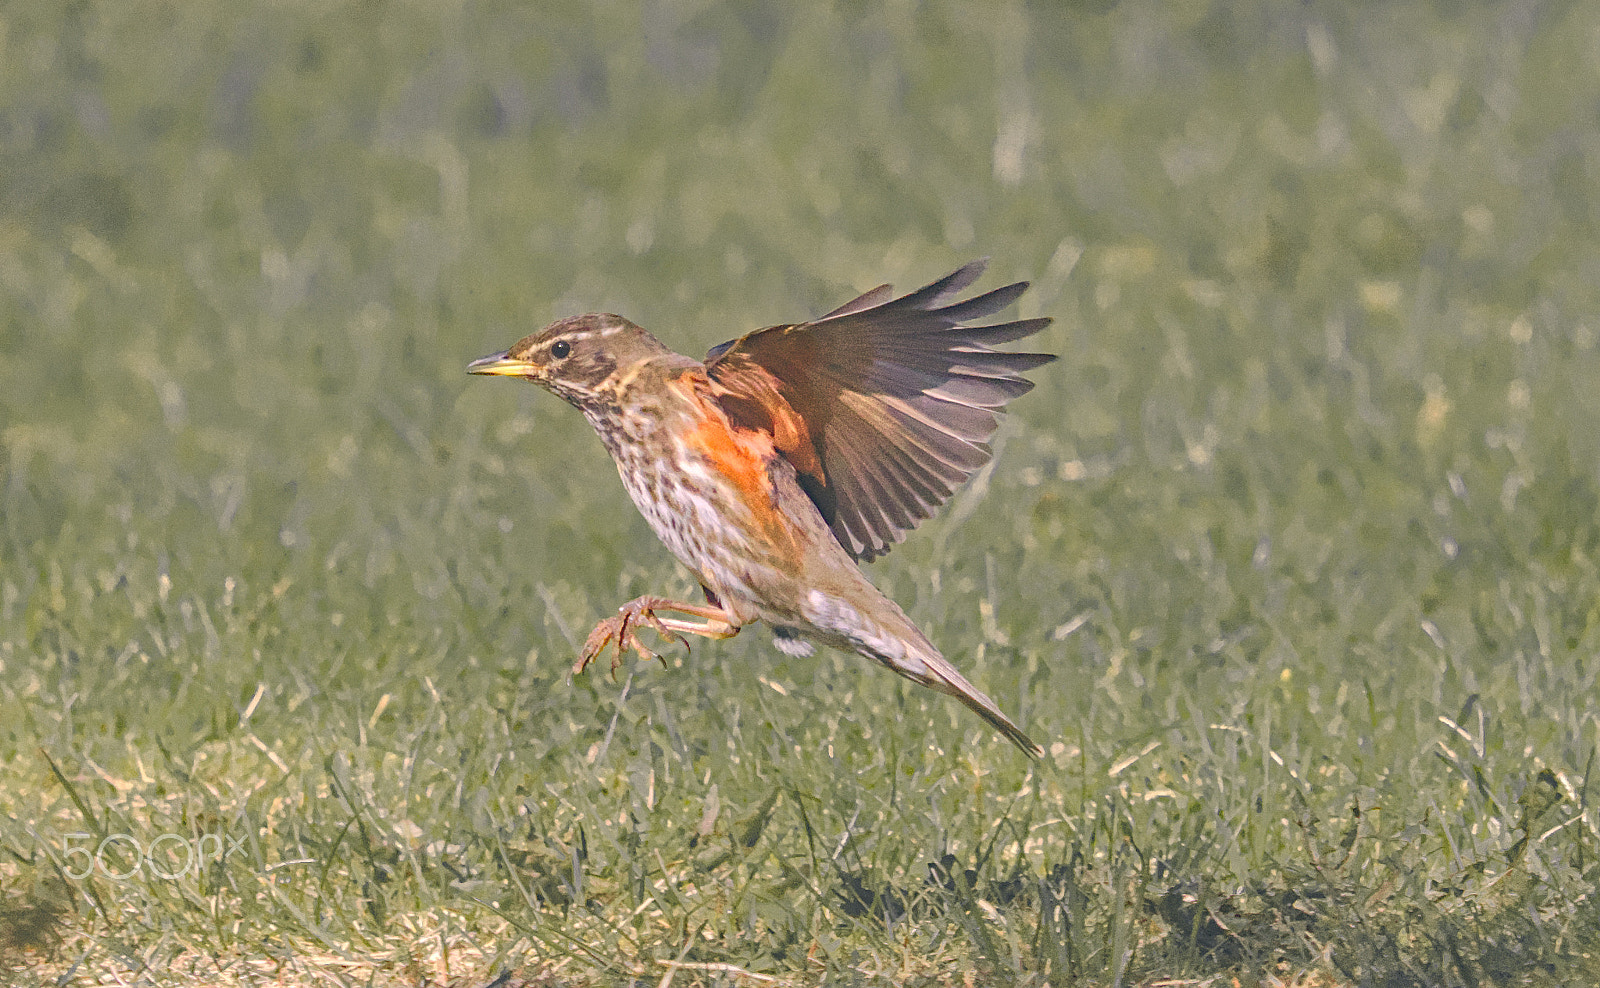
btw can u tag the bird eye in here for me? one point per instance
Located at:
(560, 349)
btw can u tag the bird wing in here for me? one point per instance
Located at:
(882, 406)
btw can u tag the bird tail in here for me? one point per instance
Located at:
(889, 637)
(939, 674)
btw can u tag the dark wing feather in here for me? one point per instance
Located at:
(884, 407)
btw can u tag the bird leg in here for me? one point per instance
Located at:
(622, 630)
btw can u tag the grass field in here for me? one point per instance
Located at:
(1291, 562)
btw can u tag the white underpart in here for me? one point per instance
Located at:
(835, 616)
(679, 506)
(788, 644)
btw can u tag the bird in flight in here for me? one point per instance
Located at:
(788, 454)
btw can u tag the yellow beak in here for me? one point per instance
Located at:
(500, 365)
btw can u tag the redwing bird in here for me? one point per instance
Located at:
(788, 454)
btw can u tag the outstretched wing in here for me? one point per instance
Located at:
(883, 407)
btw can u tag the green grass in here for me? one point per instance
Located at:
(1292, 561)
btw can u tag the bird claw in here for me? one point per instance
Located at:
(622, 631)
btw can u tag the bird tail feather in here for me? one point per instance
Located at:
(942, 676)
(868, 623)
(889, 637)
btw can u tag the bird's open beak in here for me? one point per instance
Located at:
(500, 365)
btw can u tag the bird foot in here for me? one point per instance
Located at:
(622, 631)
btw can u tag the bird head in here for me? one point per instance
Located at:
(577, 358)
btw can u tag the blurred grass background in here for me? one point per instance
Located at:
(1290, 561)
